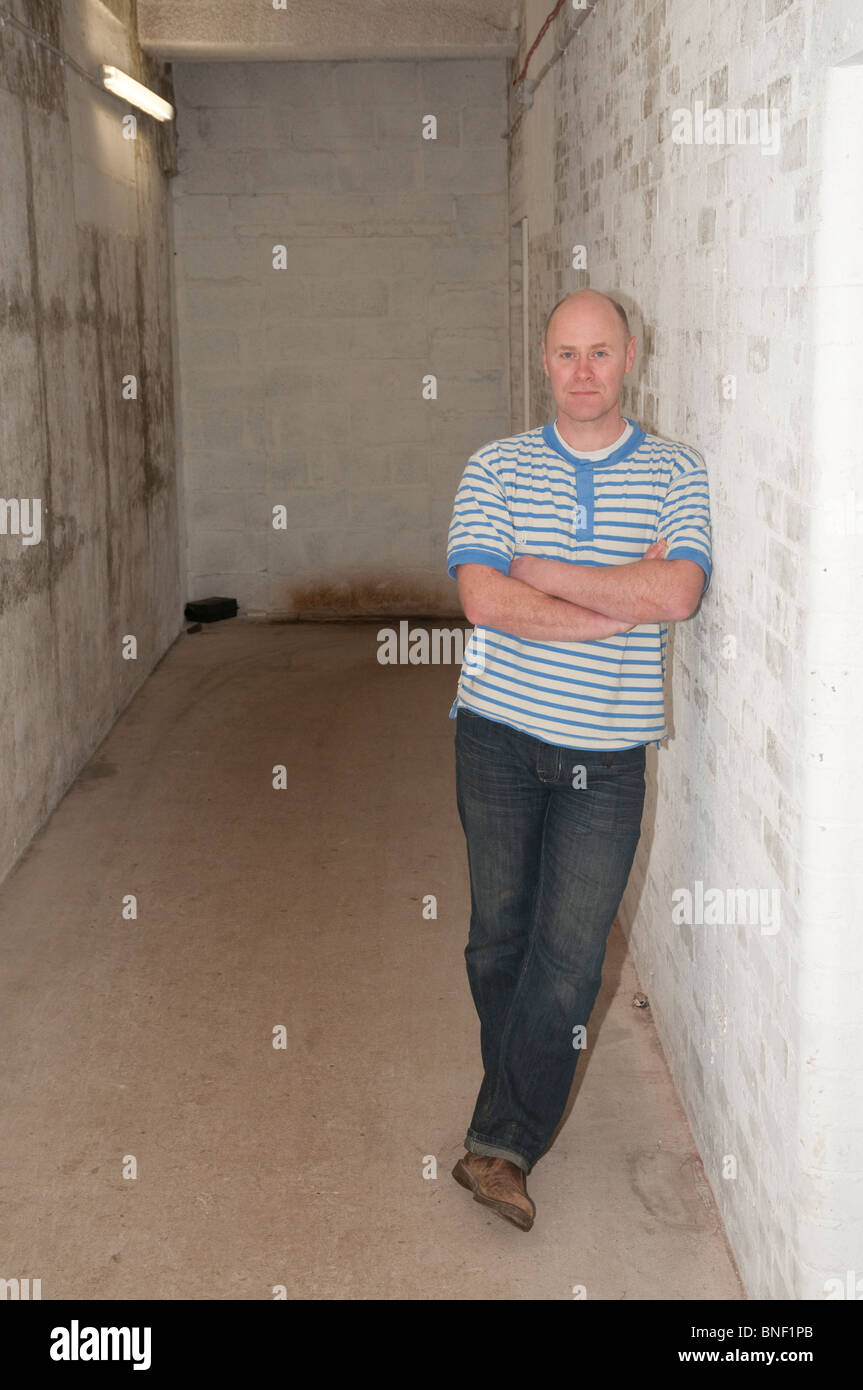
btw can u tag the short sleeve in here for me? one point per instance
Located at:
(685, 517)
(481, 531)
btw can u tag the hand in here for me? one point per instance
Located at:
(657, 550)
(523, 566)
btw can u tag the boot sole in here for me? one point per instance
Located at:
(522, 1219)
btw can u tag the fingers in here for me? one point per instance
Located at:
(656, 550)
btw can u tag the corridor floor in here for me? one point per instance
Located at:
(150, 1039)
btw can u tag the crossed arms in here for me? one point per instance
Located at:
(551, 600)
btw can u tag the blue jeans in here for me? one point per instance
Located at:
(548, 863)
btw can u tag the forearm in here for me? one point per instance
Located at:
(492, 599)
(641, 591)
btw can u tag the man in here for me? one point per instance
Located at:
(574, 545)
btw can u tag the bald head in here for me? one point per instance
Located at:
(588, 298)
(586, 352)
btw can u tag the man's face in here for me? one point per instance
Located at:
(586, 356)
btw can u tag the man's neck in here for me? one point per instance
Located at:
(587, 435)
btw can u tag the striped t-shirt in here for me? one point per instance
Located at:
(533, 495)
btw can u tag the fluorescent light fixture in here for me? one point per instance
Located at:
(122, 85)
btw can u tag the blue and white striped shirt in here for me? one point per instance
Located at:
(533, 495)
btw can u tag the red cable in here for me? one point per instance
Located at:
(537, 41)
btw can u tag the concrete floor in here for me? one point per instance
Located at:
(300, 1167)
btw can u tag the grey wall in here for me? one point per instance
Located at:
(302, 387)
(84, 301)
(244, 30)
(742, 274)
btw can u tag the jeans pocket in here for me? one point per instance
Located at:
(613, 801)
(478, 736)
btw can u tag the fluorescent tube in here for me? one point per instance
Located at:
(122, 85)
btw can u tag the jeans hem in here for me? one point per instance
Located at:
(479, 1146)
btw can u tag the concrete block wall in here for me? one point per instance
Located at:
(743, 282)
(84, 301)
(302, 386)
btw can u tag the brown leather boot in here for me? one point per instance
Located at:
(499, 1184)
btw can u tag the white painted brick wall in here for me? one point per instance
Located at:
(732, 262)
(303, 386)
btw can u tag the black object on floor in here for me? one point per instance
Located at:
(210, 610)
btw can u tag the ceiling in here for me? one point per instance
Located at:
(244, 30)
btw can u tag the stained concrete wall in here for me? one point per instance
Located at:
(742, 273)
(84, 301)
(326, 29)
(302, 387)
